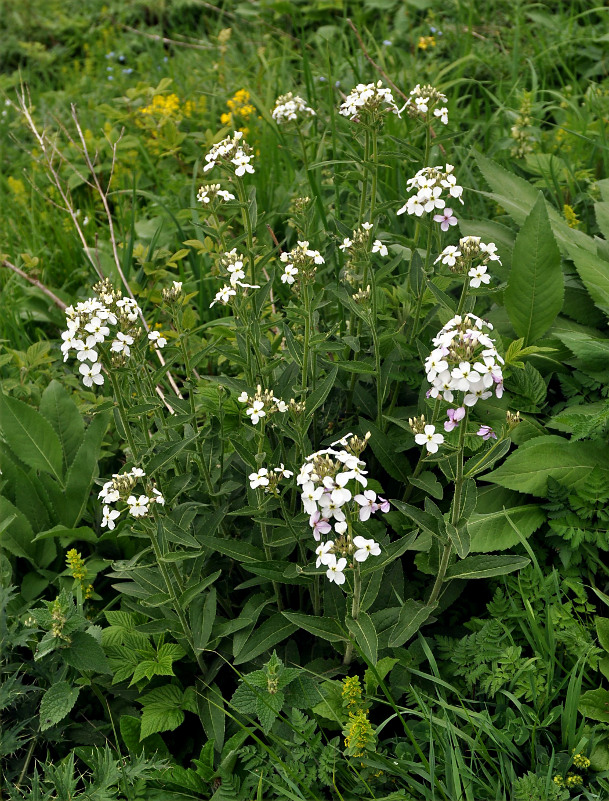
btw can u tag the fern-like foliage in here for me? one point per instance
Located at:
(535, 788)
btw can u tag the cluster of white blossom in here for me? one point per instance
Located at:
(261, 404)
(269, 479)
(367, 102)
(429, 186)
(289, 108)
(121, 488)
(209, 192)
(300, 263)
(233, 263)
(424, 98)
(470, 256)
(91, 324)
(231, 153)
(324, 481)
(359, 240)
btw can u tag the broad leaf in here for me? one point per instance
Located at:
(272, 631)
(535, 290)
(162, 710)
(57, 702)
(412, 616)
(365, 636)
(62, 413)
(85, 653)
(477, 567)
(30, 436)
(325, 627)
(594, 704)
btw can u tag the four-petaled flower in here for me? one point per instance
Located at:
(454, 417)
(138, 506)
(430, 439)
(91, 374)
(335, 568)
(109, 517)
(446, 219)
(486, 432)
(259, 479)
(368, 503)
(256, 411)
(365, 548)
(323, 554)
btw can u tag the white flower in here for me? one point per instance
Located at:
(306, 474)
(323, 554)
(289, 107)
(256, 411)
(335, 568)
(223, 296)
(430, 439)
(158, 498)
(330, 507)
(340, 496)
(478, 275)
(310, 495)
(340, 526)
(242, 163)
(379, 247)
(365, 548)
(108, 493)
(289, 274)
(109, 517)
(95, 326)
(346, 244)
(86, 352)
(282, 471)
(138, 506)
(477, 392)
(156, 338)
(137, 472)
(464, 376)
(121, 343)
(368, 502)
(282, 406)
(91, 374)
(354, 472)
(442, 113)
(259, 479)
(244, 397)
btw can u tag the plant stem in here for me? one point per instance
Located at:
(417, 311)
(307, 334)
(247, 224)
(357, 593)
(122, 412)
(454, 517)
(463, 296)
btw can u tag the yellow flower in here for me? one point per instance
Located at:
(76, 565)
(425, 42)
(352, 691)
(581, 761)
(570, 216)
(359, 734)
(573, 780)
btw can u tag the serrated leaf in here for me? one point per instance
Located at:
(535, 289)
(594, 272)
(62, 413)
(602, 631)
(528, 468)
(594, 704)
(31, 437)
(57, 702)
(162, 710)
(85, 653)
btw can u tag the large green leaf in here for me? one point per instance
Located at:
(412, 616)
(83, 470)
(30, 436)
(163, 710)
(535, 290)
(528, 468)
(365, 636)
(594, 272)
(494, 532)
(477, 567)
(272, 631)
(594, 704)
(85, 653)
(57, 702)
(62, 413)
(325, 627)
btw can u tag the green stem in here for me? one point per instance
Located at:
(417, 312)
(247, 224)
(362, 204)
(122, 412)
(454, 517)
(357, 593)
(307, 334)
(463, 297)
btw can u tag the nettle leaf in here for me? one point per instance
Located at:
(57, 702)
(528, 468)
(160, 665)
(535, 289)
(163, 710)
(30, 436)
(85, 653)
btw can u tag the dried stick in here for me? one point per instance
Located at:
(35, 282)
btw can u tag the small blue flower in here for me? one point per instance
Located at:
(128, 71)
(387, 42)
(110, 54)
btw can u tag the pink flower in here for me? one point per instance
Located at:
(446, 219)
(454, 416)
(486, 432)
(382, 505)
(319, 525)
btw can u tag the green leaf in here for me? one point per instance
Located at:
(57, 702)
(594, 353)
(160, 665)
(357, 367)
(477, 567)
(325, 627)
(384, 448)
(272, 631)
(236, 549)
(62, 413)
(30, 436)
(202, 617)
(535, 289)
(365, 636)
(130, 732)
(493, 532)
(602, 631)
(210, 706)
(382, 669)
(594, 272)
(82, 472)
(167, 453)
(85, 653)
(528, 468)
(460, 538)
(388, 554)
(428, 483)
(321, 392)
(422, 519)
(594, 704)
(162, 710)
(412, 616)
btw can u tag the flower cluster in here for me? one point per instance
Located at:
(262, 403)
(233, 263)
(368, 102)
(470, 256)
(289, 108)
(300, 262)
(357, 243)
(269, 479)
(170, 295)
(239, 108)
(324, 480)
(76, 566)
(425, 433)
(122, 489)
(231, 153)
(429, 184)
(464, 360)
(424, 99)
(210, 192)
(90, 324)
